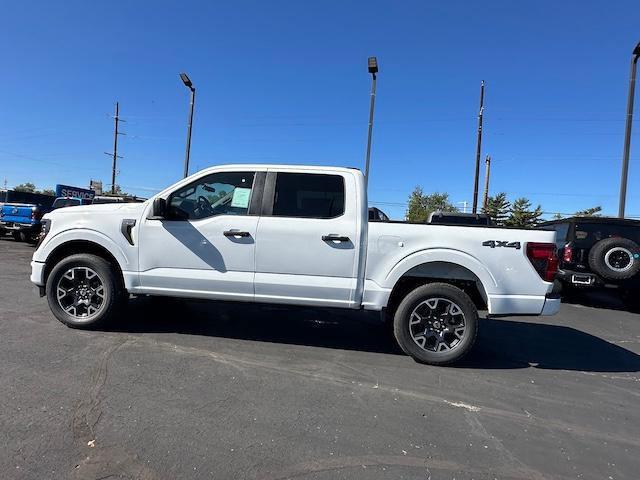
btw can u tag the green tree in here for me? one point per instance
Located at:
(522, 214)
(497, 208)
(47, 191)
(421, 205)
(557, 216)
(25, 187)
(589, 212)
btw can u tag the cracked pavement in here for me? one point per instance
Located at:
(187, 389)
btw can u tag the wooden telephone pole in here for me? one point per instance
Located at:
(487, 163)
(478, 150)
(115, 148)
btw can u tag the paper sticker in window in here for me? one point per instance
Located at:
(241, 197)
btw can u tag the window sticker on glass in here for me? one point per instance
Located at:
(241, 197)
(581, 235)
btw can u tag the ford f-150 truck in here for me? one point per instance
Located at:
(293, 235)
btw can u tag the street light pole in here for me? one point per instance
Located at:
(187, 82)
(373, 70)
(627, 133)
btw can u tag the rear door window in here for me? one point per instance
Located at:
(306, 195)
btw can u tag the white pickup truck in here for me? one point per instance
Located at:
(294, 235)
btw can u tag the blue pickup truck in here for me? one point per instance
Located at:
(22, 219)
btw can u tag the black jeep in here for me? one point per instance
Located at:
(599, 252)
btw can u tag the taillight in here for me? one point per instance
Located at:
(544, 259)
(36, 213)
(567, 255)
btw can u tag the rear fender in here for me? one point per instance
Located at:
(443, 255)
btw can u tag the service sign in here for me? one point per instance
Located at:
(68, 191)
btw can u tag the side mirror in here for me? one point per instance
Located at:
(159, 209)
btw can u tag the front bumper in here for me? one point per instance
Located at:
(37, 273)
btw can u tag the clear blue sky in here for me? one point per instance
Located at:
(287, 82)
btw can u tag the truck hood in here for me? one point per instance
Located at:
(124, 209)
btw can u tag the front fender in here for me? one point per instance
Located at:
(88, 235)
(442, 255)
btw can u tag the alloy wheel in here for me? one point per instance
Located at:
(437, 325)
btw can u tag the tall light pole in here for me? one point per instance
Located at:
(476, 177)
(627, 133)
(373, 70)
(187, 83)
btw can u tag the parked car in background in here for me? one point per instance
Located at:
(62, 202)
(23, 220)
(377, 215)
(599, 252)
(293, 235)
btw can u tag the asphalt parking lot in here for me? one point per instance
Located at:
(201, 390)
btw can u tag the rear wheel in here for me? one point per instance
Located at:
(436, 324)
(83, 291)
(17, 236)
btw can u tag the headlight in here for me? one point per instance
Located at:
(44, 229)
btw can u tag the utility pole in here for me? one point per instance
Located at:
(115, 149)
(487, 164)
(627, 132)
(478, 150)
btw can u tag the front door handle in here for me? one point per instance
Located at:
(334, 238)
(235, 233)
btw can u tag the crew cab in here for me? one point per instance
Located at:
(293, 235)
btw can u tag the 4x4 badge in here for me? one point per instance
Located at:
(500, 243)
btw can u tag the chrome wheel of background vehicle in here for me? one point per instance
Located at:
(437, 325)
(80, 293)
(619, 259)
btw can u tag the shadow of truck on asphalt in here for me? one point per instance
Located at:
(517, 344)
(501, 343)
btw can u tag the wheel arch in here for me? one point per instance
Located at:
(446, 266)
(73, 247)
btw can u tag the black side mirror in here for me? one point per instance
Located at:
(159, 209)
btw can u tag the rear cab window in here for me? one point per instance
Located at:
(304, 195)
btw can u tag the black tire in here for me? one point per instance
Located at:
(615, 258)
(457, 347)
(112, 292)
(16, 236)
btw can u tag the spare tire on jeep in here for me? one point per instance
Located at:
(615, 258)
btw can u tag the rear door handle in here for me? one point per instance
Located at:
(334, 238)
(235, 233)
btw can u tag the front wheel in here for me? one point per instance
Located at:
(83, 291)
(436, 324)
